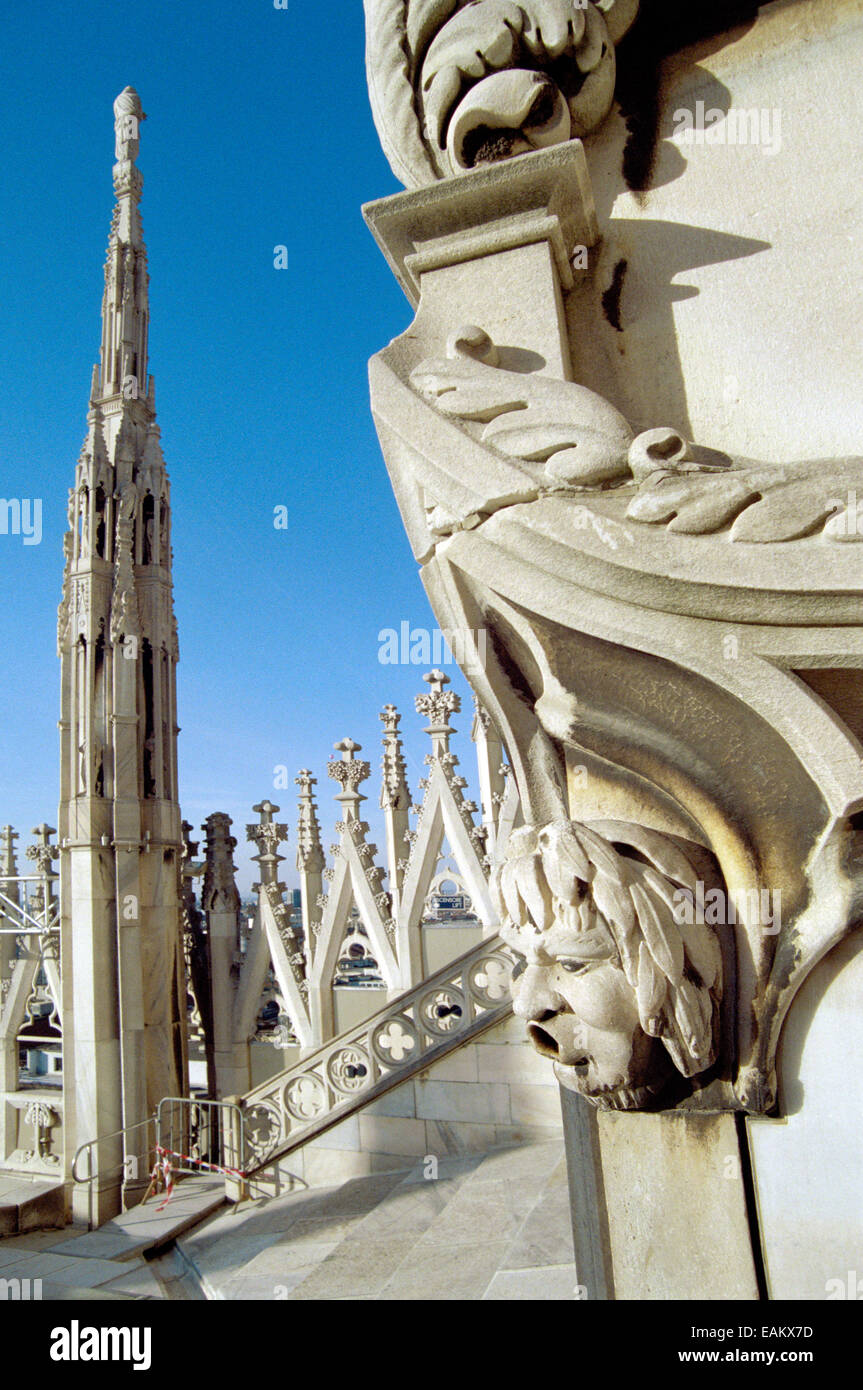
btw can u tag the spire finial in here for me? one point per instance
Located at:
(437, 706)
(310, 855)
(8, 836)
(349, 772)
(394, 788)
(267, 835)
(128, 114)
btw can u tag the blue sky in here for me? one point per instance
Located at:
(259, 134)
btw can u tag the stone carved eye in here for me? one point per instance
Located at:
(574, 967)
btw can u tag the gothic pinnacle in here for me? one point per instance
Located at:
(128, 114)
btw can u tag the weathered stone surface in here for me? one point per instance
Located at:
(456, 85)
(676, 1207)
(644, 602)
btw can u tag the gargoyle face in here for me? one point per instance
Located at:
(615, 989)
(499, 78)
(584, 1016)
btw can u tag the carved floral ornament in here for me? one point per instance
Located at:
(573, 441)
(459, 83)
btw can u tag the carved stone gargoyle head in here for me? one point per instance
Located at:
(460, 83)
(617, 986)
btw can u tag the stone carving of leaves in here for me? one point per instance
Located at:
(475, 41)
(391, 90)
(577, 435)
(432, 62)
(581, 441)
(765, 503)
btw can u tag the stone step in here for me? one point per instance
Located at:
(152, 1226)
(132, 1257)
(33, 1268)
(28, 1204)
(493, 1226)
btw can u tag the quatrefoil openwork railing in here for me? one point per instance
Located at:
(410, 1033)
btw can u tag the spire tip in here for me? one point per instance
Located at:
(128, 114)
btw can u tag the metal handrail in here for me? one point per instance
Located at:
(92, 1144)
(103, 1139)
(226, 1142)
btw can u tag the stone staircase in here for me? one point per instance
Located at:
(409, 1034)
(482, 1226)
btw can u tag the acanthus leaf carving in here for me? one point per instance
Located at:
(584, 444)
(760, 502)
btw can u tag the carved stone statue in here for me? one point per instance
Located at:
(617, 988)
(460, 83)
(128, 503)
(128, 113)
(85, 525)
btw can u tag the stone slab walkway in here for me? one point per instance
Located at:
(109, 1263)
(490, 1227)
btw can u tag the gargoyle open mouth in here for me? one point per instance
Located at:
(543, 1041)
(499, 78)
(460, 83)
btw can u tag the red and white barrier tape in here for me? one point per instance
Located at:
(164, 1169)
